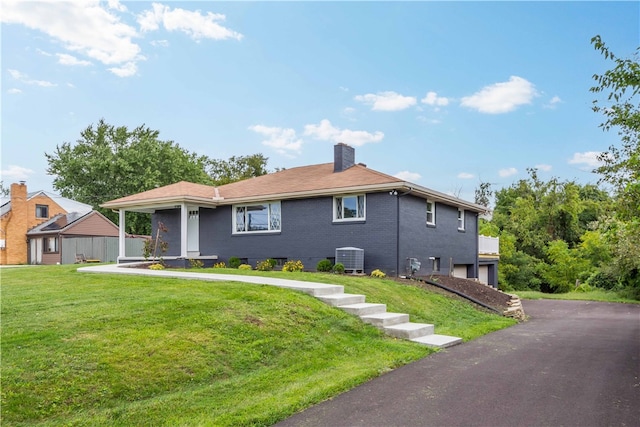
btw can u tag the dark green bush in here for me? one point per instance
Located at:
(234, 262)
(602, 280)
(338, 268)
(324, 266)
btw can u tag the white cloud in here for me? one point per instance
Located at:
(344, 89)
(507, 172)
(16, 173)
(66, 59)
(85, 27)
(501, 97)
(588, 159)
(408, 176)
(94, 29)
(192, 23)
(127, 70)
(159, 43)
(284, 140)
(387, 101)
(433, 99)
(325, 131)
(543, 167)
(465, 175)
(23, 78)
(14, 90)
(553, 102)
(115, 4)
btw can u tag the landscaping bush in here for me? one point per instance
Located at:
(266, 265)
(324, 266)
(234, 262)
(245, 267)
(220, 264)
(195, 263)
(156, 267)
(378, 273)
(338, 268)
(292, 266)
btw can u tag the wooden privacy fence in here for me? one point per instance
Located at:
(103, 248)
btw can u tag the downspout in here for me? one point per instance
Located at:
(394, 192)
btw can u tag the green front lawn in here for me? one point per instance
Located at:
(111, 350)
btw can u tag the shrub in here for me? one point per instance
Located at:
(234, 262)
(292, 266)
(602, 280)
(584, 288)
(266, 265)
(338, 268)
(220, 264)
(245, 267)
(156, 267)
(324, 266)
(195, 263)
(378, 273)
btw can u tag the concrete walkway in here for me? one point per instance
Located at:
(394, 324)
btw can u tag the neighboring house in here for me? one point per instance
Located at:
(66, 237)
(310, 213)
(44, 228)
(24, 211)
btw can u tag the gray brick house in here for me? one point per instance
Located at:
(307, 213)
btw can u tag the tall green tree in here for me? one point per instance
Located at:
(621, 164)
(621, 111)
(237, 168)
(109, 162)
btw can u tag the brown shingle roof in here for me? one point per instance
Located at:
(299, 182)
(305, 179)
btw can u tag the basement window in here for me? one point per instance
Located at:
(42, 211)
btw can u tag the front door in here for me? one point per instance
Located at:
(193, 231)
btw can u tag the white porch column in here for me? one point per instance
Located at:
(121, 235)
(184, 214)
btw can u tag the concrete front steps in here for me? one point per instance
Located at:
(394, 324)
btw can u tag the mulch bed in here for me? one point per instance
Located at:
(485, 294)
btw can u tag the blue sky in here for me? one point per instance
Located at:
(442, 94)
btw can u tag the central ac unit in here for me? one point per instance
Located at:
(351, 258)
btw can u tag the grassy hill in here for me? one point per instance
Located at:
(92, 349)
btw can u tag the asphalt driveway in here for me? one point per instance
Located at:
(574, 363)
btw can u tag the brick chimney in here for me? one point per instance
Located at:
(344, 157)
(16, 225)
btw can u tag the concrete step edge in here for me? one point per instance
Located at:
(364, 308)
(437, 341)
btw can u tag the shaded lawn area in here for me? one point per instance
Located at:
(93, 349)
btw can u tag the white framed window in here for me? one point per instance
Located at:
(435, 266)
(263, 217)
(50, 244)
(349, 208)
(431, 212)
(460, 219)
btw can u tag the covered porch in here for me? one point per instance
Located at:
(185, 198)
